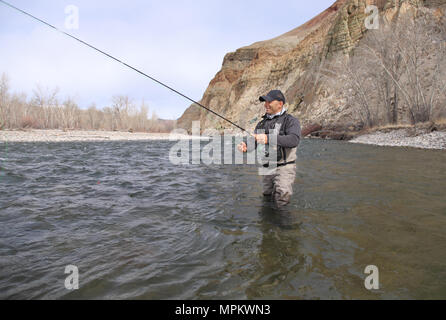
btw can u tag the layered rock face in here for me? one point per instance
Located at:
(291, 63)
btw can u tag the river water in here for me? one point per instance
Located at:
(139, 227)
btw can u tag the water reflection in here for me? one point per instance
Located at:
(285, 217)
(279, 256)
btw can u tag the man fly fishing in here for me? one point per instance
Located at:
(287, 131)
(276, 123)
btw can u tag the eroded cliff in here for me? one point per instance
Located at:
(291, 63)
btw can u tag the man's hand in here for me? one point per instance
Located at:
(242, 147)
(261, 138)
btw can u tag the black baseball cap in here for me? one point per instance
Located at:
(273, 95)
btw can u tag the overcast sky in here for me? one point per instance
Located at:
(181, 43)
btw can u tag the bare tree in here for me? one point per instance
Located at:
(4, 101)
(142, 118)
(412, 57)
(46, 100)
(396, 70)
(122, 107)
(44, 111)
(92, 118)
(71, 114)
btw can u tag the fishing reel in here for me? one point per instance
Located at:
(265, 154)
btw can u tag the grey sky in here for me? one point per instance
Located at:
(178, 42)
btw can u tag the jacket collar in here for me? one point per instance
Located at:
(269, 117)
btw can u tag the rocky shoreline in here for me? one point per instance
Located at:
(404, 138)
(425, 135)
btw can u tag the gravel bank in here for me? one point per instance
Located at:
(404, 138)
(66, 136)
(399, 138)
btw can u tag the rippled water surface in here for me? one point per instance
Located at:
(139, 227)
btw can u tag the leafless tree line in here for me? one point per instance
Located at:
(45, 111)
(398, 73)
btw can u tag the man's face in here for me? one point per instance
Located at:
(273, 107)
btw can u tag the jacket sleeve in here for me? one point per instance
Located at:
(292, 136)
(251, 143)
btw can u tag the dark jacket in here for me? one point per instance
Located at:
(288, 134)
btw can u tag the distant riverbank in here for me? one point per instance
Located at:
(403, 137)
(67, 136)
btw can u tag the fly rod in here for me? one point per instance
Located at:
(123, 63)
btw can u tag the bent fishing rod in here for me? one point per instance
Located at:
(123, 63)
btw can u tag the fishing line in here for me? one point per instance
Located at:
(125, 64)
